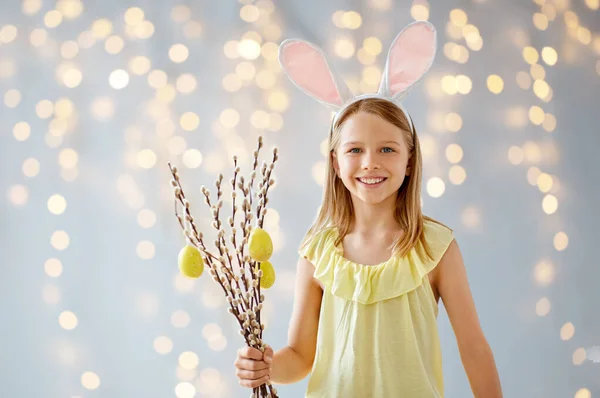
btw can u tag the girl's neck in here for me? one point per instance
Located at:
(374, 219)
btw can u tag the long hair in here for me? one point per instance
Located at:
(337, 210)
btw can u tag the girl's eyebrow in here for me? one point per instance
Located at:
(381, 143)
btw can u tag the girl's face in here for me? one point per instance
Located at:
(372, 158)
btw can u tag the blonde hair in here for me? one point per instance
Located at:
(336, 209)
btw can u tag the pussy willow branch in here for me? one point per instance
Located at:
(245, 302)
(263, 202)
(245, 324)
(220, 242)
(196, 239)
(253, 263)
(266, 183)
(239, 255)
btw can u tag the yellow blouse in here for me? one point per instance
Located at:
(377, 332)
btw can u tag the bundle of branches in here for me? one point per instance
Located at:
(240, 263)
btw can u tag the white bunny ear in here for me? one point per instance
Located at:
(307, 67)
(409, 59)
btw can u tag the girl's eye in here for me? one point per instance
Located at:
(358, 150)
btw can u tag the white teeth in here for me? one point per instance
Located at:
(371, 180)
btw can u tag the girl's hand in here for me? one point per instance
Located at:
(253, 368)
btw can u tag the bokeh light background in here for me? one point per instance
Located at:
(96, 97)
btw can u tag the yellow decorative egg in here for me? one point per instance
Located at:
(190, 261)
(260, 245)
(268, 277)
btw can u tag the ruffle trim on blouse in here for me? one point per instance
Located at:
(367, 284)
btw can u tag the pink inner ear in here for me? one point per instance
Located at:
(410, 57)
(307, 67)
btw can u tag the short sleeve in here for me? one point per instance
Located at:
(438, 239)
(315, 246)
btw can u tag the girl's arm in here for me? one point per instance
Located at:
(294, 362)
(475, 352)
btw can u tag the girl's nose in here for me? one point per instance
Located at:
(370, 161)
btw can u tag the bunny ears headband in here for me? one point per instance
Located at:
(409, 58)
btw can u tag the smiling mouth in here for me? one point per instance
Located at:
(371, 181)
